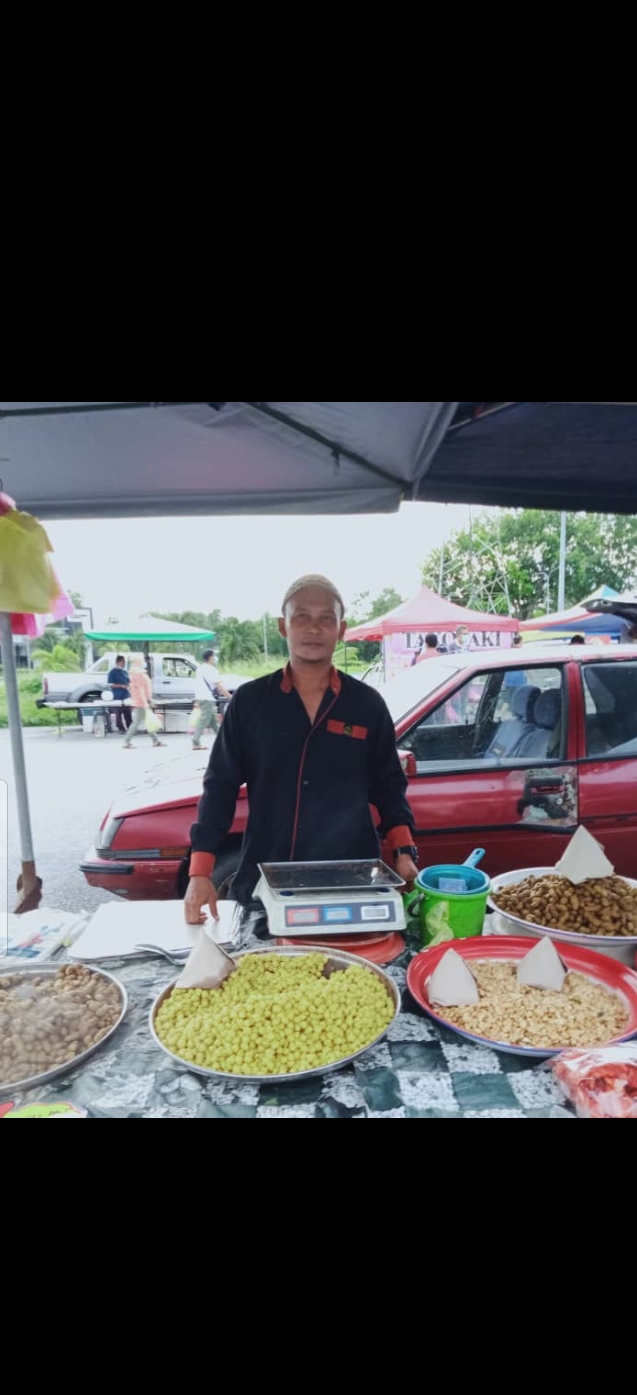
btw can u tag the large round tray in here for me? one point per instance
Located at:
(617, 978)
(337, 959)
(622, 947)
(34, 972)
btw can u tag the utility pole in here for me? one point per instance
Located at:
(562, 572)
(442, 569)
(265, 636)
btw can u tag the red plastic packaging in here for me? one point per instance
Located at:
(601, 1082)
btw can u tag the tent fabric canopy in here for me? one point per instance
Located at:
(577, 617)
(148, 628)
(112, 459)
(428, 611)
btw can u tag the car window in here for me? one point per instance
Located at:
(610, 691)
(103, 666)
(505, 716)
(176, 668)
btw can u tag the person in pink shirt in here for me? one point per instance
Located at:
(141, 692)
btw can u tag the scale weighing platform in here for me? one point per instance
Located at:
(335, 898)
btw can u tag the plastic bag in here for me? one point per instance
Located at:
(153, 722)
(437, 923)
(28, 583)
(601, 1082)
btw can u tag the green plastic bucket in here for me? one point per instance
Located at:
(443, 914)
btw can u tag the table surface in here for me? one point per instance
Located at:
(418, 1071)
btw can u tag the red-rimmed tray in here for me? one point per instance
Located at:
(377, 949)
(610, 972)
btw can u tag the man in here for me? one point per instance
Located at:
(460, 641)
(315, 747)
(430, 648)
(515, 677)
(207, 683)
(119, 683)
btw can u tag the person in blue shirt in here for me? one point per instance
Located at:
(119, 684)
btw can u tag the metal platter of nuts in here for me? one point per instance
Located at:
(52, 1019)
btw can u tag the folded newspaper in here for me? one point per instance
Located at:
(33, 937)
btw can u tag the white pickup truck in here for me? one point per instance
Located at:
(172, 677)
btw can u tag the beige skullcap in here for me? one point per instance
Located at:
(312, 579)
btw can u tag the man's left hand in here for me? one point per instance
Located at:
(405, 867)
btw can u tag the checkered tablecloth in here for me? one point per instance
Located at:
(419, 1071)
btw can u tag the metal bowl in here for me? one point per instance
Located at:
(336, 960)
(622, 947)
(33, 972)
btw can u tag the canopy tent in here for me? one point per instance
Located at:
(151, 628)
(538, 455)
(110, 459)
(428, 611)
(578, 618)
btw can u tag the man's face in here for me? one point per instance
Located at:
(312, 625)
(462, 638)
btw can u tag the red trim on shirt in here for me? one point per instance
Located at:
(300, 774)
(201, 864)
(399, 836)
(345, 729)
(287, 681)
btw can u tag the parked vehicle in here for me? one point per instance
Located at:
(510, 750)
(172, 676)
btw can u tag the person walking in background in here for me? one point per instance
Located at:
(430, 648)
(141, 692)
(207, 685)
(119, 683)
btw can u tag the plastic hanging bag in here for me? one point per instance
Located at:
(28, 583)
(153, 722)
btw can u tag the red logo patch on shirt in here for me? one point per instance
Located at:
(346, 729)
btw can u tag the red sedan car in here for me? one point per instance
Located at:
(508, 749)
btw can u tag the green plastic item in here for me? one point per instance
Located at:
(442, 916)
(437, 924)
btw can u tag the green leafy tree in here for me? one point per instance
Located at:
(362, 609)
(60, 659)
(509, 560)
(388, 600)
(238, 641)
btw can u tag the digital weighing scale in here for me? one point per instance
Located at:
(335, 898)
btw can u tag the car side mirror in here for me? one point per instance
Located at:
(408, 761)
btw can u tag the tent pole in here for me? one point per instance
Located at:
(29, 885)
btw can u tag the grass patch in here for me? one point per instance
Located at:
(30, 688)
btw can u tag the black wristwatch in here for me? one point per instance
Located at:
(410, 850)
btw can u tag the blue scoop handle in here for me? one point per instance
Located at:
(474, 858)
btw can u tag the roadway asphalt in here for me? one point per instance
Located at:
(72, 781)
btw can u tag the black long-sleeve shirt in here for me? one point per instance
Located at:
(309, 785)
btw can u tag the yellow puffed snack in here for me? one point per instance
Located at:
(276, 1015)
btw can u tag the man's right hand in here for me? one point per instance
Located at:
(200, 893)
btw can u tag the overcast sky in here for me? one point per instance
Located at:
(124, 567)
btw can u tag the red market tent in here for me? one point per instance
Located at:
(428, 611)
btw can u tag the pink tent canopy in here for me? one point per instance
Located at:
(428, 611)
